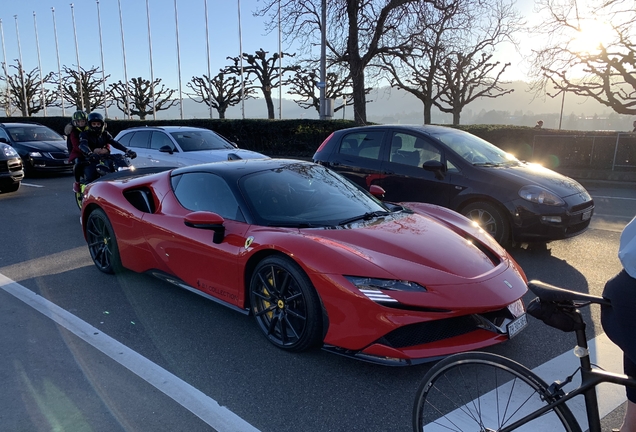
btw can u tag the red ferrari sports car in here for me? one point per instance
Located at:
(314, 258)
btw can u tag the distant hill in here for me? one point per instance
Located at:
(391, 105)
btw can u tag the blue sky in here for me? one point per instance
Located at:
(223, 30)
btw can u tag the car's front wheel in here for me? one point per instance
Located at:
(102, 243)
(285, 304)
(491, 219)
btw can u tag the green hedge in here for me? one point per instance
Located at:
(301, 138)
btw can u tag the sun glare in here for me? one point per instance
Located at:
(591, 35)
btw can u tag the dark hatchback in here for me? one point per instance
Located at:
(11, 172)
(514, 201)
(41, 148)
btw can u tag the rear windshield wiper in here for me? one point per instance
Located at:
(366, 216)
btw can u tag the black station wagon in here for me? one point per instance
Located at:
(514, 201)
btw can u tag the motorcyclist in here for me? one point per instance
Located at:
(96, 142)
(72, 132)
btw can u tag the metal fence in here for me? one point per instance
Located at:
(616, 152)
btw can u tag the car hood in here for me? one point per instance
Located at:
(529, 174)
(406, 243)
(45, 146)
(205, 156)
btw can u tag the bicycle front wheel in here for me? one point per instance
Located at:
(483, 392)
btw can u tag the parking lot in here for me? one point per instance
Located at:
(130, 352)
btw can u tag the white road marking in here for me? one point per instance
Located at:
(32, 185)
(195, 401)
(603, 353)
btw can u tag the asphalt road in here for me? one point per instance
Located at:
(132, 353)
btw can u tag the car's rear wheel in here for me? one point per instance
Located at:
(102, 243)
(285, 304)
(491, 219)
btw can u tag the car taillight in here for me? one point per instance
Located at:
(324, 142)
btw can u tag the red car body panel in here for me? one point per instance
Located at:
(463, 269)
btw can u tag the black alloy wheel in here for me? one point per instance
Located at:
(285, 304)
(102, 243)
(491, 219)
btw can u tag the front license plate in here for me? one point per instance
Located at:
(585, 216)
(517, 325)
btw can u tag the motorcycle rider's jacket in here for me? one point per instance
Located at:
(89, 141)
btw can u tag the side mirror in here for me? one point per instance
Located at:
(166, 149)
(207, 220)
(377, 191)
(435, 166)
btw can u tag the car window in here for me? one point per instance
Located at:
(4, 135)
(125, 139)
(362, 144)
(160, 139)
(139, 139)
(474, 149)
(200, 139)
(33, 133)
(304, 194)
(206, 192)
(408, 149)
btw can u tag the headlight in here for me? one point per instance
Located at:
(540, 195)
(363, 283)
(35, 154)
(9, 151)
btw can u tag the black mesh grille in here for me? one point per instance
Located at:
(59, 155)
(427, 332)
(3, 167)
(581, 207)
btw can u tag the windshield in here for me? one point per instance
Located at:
(197, 140)
(474, 149)
(304, 195)
(33, 133)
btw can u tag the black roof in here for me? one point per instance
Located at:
(233, 170)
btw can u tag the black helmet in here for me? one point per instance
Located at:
(96, 117)
(77, 116)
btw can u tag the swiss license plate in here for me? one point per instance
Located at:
(585, 216)
(517, 325)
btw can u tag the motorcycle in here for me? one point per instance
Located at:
(107, 164)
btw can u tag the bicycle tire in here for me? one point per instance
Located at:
(477, 391)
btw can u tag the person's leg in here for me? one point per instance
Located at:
(629, 422)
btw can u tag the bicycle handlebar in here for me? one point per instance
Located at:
(551, 293)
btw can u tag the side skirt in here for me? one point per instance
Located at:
(178, 282)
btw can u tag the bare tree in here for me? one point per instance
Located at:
(358, 32)
(220, 92)
(265, 70)
(83, 88)
(5, 101)
(140, 93)
(26, 92)
(451, 63)
(605, 69)
(305, 84)
(467, 77)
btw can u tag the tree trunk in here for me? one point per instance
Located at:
(359, 97)
(270, 104)
(356, 65)
(456, 113)
(428, 105)
(221, 112)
